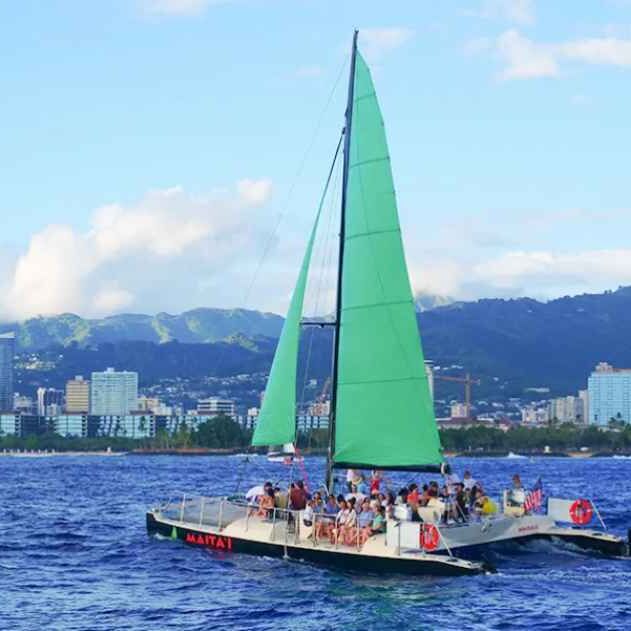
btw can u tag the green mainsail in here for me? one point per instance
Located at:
(384, 415)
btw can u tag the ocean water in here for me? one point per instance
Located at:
(74, 554)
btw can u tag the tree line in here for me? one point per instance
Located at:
(222, 432)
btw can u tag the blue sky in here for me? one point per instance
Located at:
(150, 146)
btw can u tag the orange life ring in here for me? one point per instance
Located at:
(581, 512)
(430, 537)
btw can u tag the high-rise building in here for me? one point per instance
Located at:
(458, 410)
(49, 401)
(609, 394)
(535, 416)
(566, 409)
(582, 416)
(7, 351)
(78, 395)
(214, 406)
(429, 373)
(113, 393)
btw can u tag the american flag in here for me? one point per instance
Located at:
(534, 499)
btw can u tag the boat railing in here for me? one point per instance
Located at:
(199, 510)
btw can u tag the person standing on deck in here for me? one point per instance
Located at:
(297, 496)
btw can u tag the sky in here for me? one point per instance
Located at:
(162, 155)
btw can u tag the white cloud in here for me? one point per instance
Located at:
(527, 59)
(129, 251)
(540, 274)
(255, 192)
(517, 11)
(112, 299)
(604, 50)
(178, 7)
(376, 42)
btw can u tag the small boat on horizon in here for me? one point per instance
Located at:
(382, 413)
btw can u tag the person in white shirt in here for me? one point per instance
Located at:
(307, 513)
(351, 474)
(451, 479)
(468, 481)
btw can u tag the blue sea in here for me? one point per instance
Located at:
(74, 554)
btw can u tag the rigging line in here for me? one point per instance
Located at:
(268, 245)
(270, 240)
(332, 200)
(326, 259)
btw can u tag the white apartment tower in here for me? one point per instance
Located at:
(113, 393)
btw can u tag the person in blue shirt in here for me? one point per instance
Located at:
(364, 521)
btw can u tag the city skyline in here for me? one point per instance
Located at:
(173, 132)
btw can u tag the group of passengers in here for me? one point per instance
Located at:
(455, 500)
(351, 517)
(345, 520)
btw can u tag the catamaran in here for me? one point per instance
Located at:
(382, 414)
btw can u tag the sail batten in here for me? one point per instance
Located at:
(383, 409)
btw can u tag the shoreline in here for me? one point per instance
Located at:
(204, 451)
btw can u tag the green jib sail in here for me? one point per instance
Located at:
(276, 423)
(384, 413)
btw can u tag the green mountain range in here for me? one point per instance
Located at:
(512, 345)
(191, 327)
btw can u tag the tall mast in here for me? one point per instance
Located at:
(340, 265)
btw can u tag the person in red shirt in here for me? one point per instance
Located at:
(298, 496)
(375, 482)
(413, 495)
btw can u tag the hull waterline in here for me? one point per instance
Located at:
(227, 542)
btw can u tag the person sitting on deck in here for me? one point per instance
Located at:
(325, 522)
(318, 502)
(364, 520)
(281, 498)
(253, 496)
(378, 525)
(342, 519)
(308, 513)
(402, 496)
(413, 494)
(266, 504)
(414, 501)
(355, 495)
(516, 496)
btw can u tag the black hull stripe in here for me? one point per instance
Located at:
(368, 564)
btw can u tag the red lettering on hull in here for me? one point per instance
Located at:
(216, 542)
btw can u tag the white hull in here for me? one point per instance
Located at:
(220, 525)
(456, 538)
